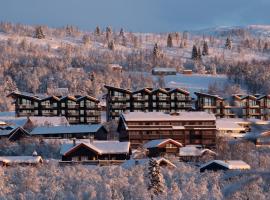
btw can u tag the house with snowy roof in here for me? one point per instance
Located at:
(95, 150)
(162, 162)
(38, 121)
(20, 160)
(194, 152)
(97, 131)
(162, 147)
(13, 133)
(216, 165)
(231, 127)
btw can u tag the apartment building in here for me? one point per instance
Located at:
(77, 109)
(146, 100)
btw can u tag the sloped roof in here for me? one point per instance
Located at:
(229, 124)
(194, 151)
(118, 89)
(52, 121)
(93, 128)
(133, 162)
(101, 147)
(88, 97)
(209, 95)
(178, 90)
(160, 116)
(229, 164)
(21, 159)
(157, 143)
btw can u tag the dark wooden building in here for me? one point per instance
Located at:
(73, 131)
(185, 127)
(248, 106)
(162, 147)
(147, 100)
(214, 104)
(95, 150)
(77, 109)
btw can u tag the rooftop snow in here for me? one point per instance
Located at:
(230, 164)
(229, 124)
(102, 147)
(20, 159)
(159, 116)
(156, 143)
(193, 151)
(51, 121)
(133, 162)
(66, 129)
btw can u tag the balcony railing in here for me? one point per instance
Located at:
(183, 98)
(119, 98)
(119, 106)
(72, 106)
(26, 106)
(93, 113)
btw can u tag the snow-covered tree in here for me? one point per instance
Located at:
(205, 51)
(121, 33)
(111, 45)
(194, 54)
(108, 32)
(39, 33)
(228, 43)
(97, 31)
(170, 40)
(155, 186)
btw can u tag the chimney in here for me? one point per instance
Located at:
(91, 139)
(74, 141)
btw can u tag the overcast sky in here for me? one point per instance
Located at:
(137, 15)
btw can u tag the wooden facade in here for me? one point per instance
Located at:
(186, 131)
(77, 109)
(83, 152)
(147, 100)
(214, 104)
(162, 147)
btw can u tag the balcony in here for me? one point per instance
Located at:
(119, 106)
(26, 106)
(140, 99)
(91, 113)
(163, 106)
(178, 98)
(164, 98)
(73, 113)
(119, 98)
(72, 106)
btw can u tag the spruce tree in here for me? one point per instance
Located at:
(169, 41)
(156, 51)
(155, 186)
(97, 31)
(228, 44)
(205, 51)
(265, 48)
(199, 54)
(111, 45)
(194, 55)
(39, 33)
(108, 32)
(122, 34)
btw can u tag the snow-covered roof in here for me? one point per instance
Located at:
(164, 69)
(229, 124)
(45, 121)
(194, 151)
(229, 164)
(20, 159)
(159, 116)
(93, 128)
(157, 143)
(133, 162)
(101, 147)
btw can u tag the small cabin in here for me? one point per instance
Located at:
(162, 147)
(195, 153)
(20, 160)
(216, 165)
(82, 131)
(95, 150)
